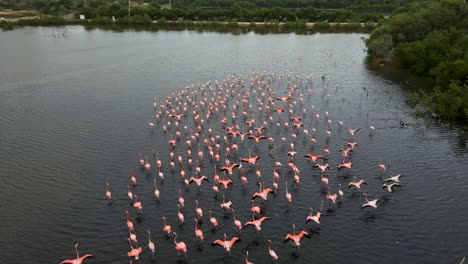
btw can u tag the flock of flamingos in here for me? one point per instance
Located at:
(217, 135)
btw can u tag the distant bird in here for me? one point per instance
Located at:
(78, 259)
(256, 223)
(226, 244)
(198, 232)
(198, 181)
(323, 167)
(395, 178)
(389, 187)
(314, 158)
(347, 165)
(179, 246)
(230, 168)
(368, 203)
(357, 184)
(150, 244)
(271, 251)
(352, 131)
(135, 252)
(247, 258)
(296, 238)
(315, 218)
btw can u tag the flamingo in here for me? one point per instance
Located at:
(352, 131)
(108, 192)
(271, 252)
(324, 179)
(263, 193)
(181, 199)
(251, 160)
(129, 223)
(132, 236)
(316, 217)
(166, 228)
(135, 252)
(247, 258)
(226, 244)
(156, 191)
(255, 209)
(137, 204)
(323, 168)
(236, 221)
(198, 209)
(382, 166)
(389, 187)
(347, 165)
(180, 215)
(180, 246)
(288, 195)
(226, 205)
(314, 157)
(230, 168)
(256, 223)
(129, 193)
(368, 203)
(357, 184)
(147, 165)
(133, 178)
(296, 238)
(330, 197)
(198, 232)
(395, 178)
(225, 183)
(78, 259)
(199, 180)
(213, 220)
(150, 244)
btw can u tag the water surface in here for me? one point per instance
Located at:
(74, 107)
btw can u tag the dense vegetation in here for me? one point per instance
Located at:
(247, 12)
(430, 39)
(70, 6)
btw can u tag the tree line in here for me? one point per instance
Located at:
(430, 39)
(63, 6)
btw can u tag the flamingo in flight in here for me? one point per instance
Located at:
(389, 187)
(296, 238)
(256, 223)
(135, 252)
(78, 259)
(368, 203)
(226, 244)
(230, 168)
(395, 178)
(314, 157)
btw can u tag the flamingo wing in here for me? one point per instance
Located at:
(234, 240)
(218, 242)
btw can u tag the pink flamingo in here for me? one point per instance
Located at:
(180, 246)
(78, 259)
(226, 244)
(271, 251)
(151, 244)
(166, 228)
(296, 238)
(198, 232)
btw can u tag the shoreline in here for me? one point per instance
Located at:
(140, 22)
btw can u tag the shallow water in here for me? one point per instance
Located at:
(74, 112)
